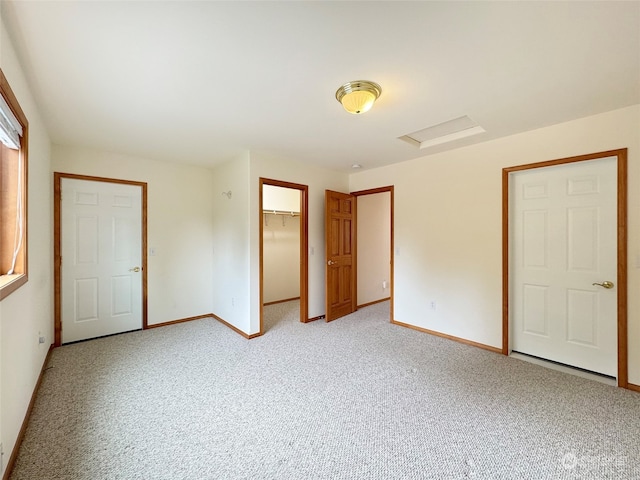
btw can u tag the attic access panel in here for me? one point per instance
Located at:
(444, 132)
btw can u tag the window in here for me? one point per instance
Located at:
(13, 191)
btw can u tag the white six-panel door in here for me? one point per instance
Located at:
(101, 248)
(564, 239)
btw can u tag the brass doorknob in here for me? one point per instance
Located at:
(606, 284)
(135, 269)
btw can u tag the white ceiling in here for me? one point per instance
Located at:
(202, 82)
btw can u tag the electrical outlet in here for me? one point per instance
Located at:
(433, 305)
(233, 302)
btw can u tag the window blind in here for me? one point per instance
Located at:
(10, 128)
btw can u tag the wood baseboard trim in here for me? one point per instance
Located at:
(200, 317)
(372, 303)
(319, 317)
(236, 329)
(281, 301)
(632, 386)
(27, 415)
(180, 320)
(450, 337)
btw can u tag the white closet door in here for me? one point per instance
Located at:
(564, 231)
(101, 237)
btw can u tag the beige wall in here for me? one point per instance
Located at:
(279, 198)
(281, 257)
(180, 226)
(374, 244)
(448, 224)
(230, 290)
(280, 243)
(27, 312)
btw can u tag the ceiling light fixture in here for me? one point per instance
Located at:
(358, 96)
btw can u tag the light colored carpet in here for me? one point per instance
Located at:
(358, 398)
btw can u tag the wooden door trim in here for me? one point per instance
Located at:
(57, 247)
(373, 191)
(621, 154)
(304, 245)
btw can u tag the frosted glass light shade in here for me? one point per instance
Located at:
(359, 96)
(358, 102)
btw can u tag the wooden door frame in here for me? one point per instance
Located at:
(304, 245)
(621, 154)
(57, 247)
(373, 191)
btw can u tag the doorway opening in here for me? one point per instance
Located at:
(374, 247)
(283, 246)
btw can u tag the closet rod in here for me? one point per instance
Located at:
(282, 212)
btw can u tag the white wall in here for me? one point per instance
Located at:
(318, 180)
(230, 290)
(29, 310)
(280, 198)
(374, 244)
(281, 257)
(180, 226)
(448, 224)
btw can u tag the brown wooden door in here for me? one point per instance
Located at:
(340, 254)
